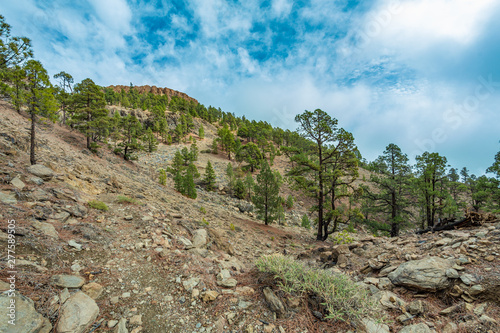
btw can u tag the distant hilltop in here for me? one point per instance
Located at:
(156, 91)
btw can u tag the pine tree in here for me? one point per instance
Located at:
(131, 130)
(391, 178)
(230, 175)
(193, 152)
(327, 171)
(189, 186)
(40, 99)
(251, 154)
(431, 168)
(266, 198)
(150, 140)
(239, 189)
(209, 178)
(249, 185)
(89, 114)
(64, 92)
(201, 132)
(163, 177)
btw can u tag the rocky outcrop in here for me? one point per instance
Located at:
(155, 91)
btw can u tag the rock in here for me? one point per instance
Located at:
(451, 327)
(74, 244)
(389, 300)
(186, 242)
(224, 279)
(46, 228)
(370, 326)
(200, 238)
(452, 273)
(417, 328)
(190, 283)
(93, 290)
(112, 323)
(274, 302)
(27, 319)
(41, 171)
(245, 207)
(26, 263)
(36, 180)
(426, 274)
(40, 195)
(18, 183)
(62, 216)
(77, 314)
(67, 281)
(452, 309)
(136, 320)
(417, 308)
(122, 326)
(210, 295)
(476, 290)
(468, 279)
(4, 286)
(8, 198)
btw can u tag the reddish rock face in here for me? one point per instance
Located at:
(156, 91)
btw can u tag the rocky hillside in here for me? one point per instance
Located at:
(101, 247)
(155, 91)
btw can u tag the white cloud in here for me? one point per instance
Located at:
(281, 8)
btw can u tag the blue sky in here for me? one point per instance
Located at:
(423, 74)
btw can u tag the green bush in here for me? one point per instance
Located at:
(289, 202)
(96, 204)
(342, 238)
(343, 299)
(163, 177)
(123, 199)
(203, 210)
(305, 222)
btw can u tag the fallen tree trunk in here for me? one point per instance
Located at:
(471, 219)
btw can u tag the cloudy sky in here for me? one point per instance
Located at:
(423, 74)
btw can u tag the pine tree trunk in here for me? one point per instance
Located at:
(32, 143)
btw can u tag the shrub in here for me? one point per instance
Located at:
(305, 222)
(163, 177)
(342, 238)
(123, 199)
(343, 299)
(289, 201)
(203, 210)
(96, 204)
(232, 227)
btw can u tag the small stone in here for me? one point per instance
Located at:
(122, 326)
(489, 258)
(126, 295)
(74, 244)
(17, 183)
(480, 309)
(67, 281)
(210, 295)
(452, 273)
(93, 289)
(476, 290)
(451, 327)
(468, 279)
(114, 300)
(136, 320)
(41, 171)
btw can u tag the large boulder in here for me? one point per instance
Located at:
(26, 318)
(41, 171)
(77, 314)
(427, 274)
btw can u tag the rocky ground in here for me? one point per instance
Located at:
(156, 261)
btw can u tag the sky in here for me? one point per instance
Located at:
(422, 74)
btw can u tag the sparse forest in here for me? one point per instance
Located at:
(324, 160)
